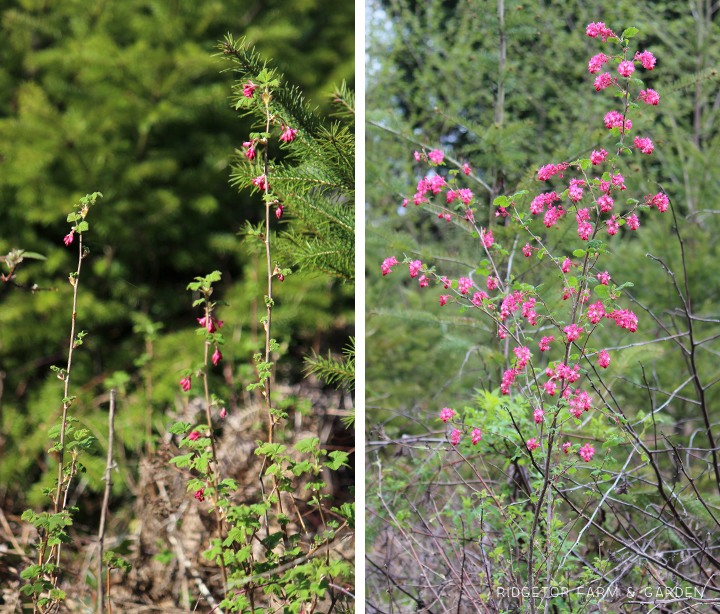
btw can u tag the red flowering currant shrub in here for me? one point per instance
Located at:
(565, 498)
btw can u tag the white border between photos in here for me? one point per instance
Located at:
(360, 306)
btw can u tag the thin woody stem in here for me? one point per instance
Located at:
(66, 404)
(215, 469)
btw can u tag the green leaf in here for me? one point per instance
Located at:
(182, 461)
(82, 226)
(337, 459)
(629, 33)
(578, 253)
(180, 428)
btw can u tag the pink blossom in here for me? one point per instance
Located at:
(69, 237)
(217, 356)
(633, 222)
(250, 153)
(644, 144)
(211, 324)
(388, 264)
(604, 360)
(501, 212)
(567, 292)
(502, 332)
(567, 263)
(580, 403)
(464, 285)
(538, 415)
(604, 278)
(507, 380)
(443, 299)
(487, 238)
(550, 388)
(455, 437)
(606, 202)
(465, 195)
(527, 250)
(618, 181)
(602, 81)
(476, 436)
(492, 283)
(576, 189)
(646, 59)
(405, 202)
(532, 444)
(279, 211)
(661, 202)
(419, 199)
(446, 414)
(613, 225)
(200, 494)
(249, 89)
(626, 68)
(573, 332)
(545, 343)
(288, 134)
(423, 281)
(615, 120)
(596, 63)
(547, 171)
(446, 282)
(194, 436)
(585, 230)
(223, 413)
(465, 169)
(566, 447)
(523, 356)
(260, 182)
(596, 312)
(437, 183)
(469, 215)
(587, 452)
(418, 156)
(563, 371)
(451, 196)
(598, 29)
(527, 307)
(596, 157)
(436, 156)
(281, 277)
(415, 267)
(650, 96)
(478, 298)
(552, 215)
(624, 318)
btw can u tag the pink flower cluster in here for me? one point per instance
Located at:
(650, 96)
(615, 120)
(476, 436)
(548, 171)
(538, 415)
(585, 228)
(415, 267)
(522, 355)
(576, 189)
(539, 202)
(644, 144)
(436, 156)
(446, 414)
(587, 452)
(211, 324)
(388, 264)
(596, 63)
(626, 68)
(573, 332)
(604, 360)
(599, 29)
(602, 81)
(596, 312)
(646, 59)
(532, 444)
(580, 403)
(455, 437)
(596, 157)
(545, 343)
(288, 134)
(624, 318)
(464, 285)
(508, 380)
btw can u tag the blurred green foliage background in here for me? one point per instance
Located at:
(125, 97)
